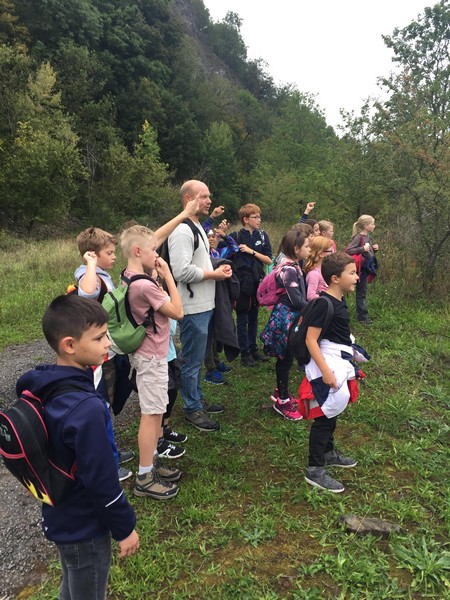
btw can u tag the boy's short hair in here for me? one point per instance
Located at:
(335, 264)
(133, 236)
(247, 210)
(94, 239)
(71, 316)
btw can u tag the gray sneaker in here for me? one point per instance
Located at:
(318, 477)
(335, 459)
(124, 473)
(216, 409)
(164, 471)
(201, 421)
(152, 485)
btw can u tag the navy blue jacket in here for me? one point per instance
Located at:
(77, 424)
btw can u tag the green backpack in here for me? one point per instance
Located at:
(123, 329)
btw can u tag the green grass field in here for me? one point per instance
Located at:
(245, 524)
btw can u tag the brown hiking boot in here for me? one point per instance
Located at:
(151, 484)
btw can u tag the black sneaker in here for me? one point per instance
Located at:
(216, 409)
(335, 459)
(125, 456)
(124, 473)
(247, 360)
(168, 450)
(201, 421)
(319, 477)
(259, 357)
(173, 436)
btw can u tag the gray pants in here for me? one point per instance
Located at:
(361, 300)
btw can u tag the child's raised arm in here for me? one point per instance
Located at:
(312, 336)
(88, 283)
(190, 210)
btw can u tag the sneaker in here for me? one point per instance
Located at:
(335, 459)
(173, 436)
(124, 473)
(201, 421)
(365, 321)
(168, 450)
(247, 360)
(289, 410)
(164, 471)
(223, 368)
(214, 377)
(125, 456)
(216, 409)
(259, 357)
(319, 477)
(151, 484)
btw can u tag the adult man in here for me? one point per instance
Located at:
(193, 270)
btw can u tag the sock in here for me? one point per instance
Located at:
(144, 470)
(283, 400)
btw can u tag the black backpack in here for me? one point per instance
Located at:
(163, 250)
(25, 448)
(299, 328)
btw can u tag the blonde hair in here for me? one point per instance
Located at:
(94, 239)
(324, 226)
(317, 245)
(135, 236)
(361, 223)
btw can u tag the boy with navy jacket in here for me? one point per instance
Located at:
(79, 427)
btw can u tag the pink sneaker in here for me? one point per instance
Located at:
(289, 410)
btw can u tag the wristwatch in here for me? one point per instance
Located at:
(254, 253)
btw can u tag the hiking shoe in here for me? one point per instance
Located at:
(223, 368)
(215, 377)
(152, 485)
(289, 410)
(216, 409)
(335, 459)
(124, 473)
(125, 456)
(201, 421)
(319, 477)
(173, 436)
(247, 360)
(365, 321)
(259, 357)
(164, 471)
(168, 450)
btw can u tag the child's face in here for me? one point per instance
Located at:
(213, 240)
(370, 227)
(316, 230)
(92, 348)
(149, 255)
(348, 279)
(253, 221)
(328, 233)
(107, 257)
(303, 252)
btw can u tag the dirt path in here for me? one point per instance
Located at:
(24, 552)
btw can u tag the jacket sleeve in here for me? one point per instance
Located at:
(181, 251)
(85, 430)
(312, 282)
(355, 246)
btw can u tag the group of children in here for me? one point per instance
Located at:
(79, 422)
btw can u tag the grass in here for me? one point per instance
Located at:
(245, 524)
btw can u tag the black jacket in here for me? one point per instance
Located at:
(227, 291)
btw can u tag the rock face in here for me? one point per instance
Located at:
(372, 525)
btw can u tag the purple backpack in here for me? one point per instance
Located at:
(268, 292)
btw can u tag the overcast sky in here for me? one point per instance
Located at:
(330, 48)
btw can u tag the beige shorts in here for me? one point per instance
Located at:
(152, 378)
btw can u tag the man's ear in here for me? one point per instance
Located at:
(67, 345)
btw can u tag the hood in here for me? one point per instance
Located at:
(41, 379)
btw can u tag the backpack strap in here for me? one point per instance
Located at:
(196, 233)
(328, 316)
(150, 316)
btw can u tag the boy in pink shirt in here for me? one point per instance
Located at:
(150, 359)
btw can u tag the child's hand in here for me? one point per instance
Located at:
(90, 257)
(366, 247)
(192, 206)
(223, 225)
(129, 545)
(245, 248)
(309, 207)
(375, 247)
(329, 378)
(162, 268)
(219, 210)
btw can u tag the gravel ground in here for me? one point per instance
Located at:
(24, 552)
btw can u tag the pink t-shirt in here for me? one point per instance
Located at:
(315, 282)
(141, 295)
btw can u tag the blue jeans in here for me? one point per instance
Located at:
(85, 569)
(247, 328)
(194, 340)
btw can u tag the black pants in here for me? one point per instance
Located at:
(282, 369)
(321, 440)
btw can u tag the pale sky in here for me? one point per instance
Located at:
(331, 48)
